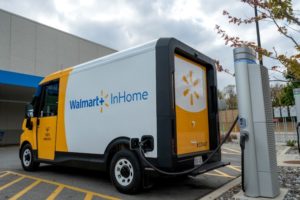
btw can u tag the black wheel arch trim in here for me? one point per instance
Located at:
(115, 142)
(21, 147)
(34, 151)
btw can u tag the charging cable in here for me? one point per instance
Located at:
(243, 137)
(142, 155)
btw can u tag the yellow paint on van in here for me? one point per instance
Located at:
(29, 135)
(56, 75)
(61, 141)
(46, 132)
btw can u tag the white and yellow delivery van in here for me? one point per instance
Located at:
(162, 94)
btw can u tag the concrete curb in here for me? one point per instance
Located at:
(282, 157)
(215, 194)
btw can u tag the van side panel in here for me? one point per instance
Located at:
(113, 99)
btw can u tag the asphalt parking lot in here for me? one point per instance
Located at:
(57, 182)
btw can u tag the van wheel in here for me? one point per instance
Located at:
(125, 172)
(27, 159)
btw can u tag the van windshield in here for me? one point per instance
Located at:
(35, 98)
(37, 92)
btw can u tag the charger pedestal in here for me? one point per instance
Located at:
(297, 104)
(256, 121)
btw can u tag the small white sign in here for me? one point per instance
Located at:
(277, 112)
(198, 160)
(284, 111)
(293, 111)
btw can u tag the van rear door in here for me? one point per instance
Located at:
(192, 126)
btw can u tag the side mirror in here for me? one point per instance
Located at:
(29, 111)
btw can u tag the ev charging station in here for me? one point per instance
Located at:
(259, 164)
(297, 104)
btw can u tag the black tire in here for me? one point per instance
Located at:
(126, 172)
(27, 159)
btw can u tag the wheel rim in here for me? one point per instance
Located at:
(124, 172)
(27, 157)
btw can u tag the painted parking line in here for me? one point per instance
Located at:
(22, 192)
(233, 168)
(88, 196)
(230, 153)
(55, 193)
(232, 150)
(3, 174)
(223, 173)
(238, 166)
(219, 175)
(11, 183)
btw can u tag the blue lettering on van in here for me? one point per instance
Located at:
(83, 103)
(117, 98)
(124, 97)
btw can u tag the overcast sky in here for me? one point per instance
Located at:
(121, 24)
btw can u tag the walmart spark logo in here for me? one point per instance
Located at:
(190, 83)
(103, 101)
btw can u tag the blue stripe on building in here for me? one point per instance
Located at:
(19, 79)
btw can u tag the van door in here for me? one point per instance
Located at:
(192, 126)
(47, 121)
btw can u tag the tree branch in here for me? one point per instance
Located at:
(282, 32)
(292, 28)
(292, 18)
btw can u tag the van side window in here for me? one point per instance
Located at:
(50, 100)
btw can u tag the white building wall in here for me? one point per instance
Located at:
(22, 45)
(32, 48)
(46, 50)
(5, 29)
